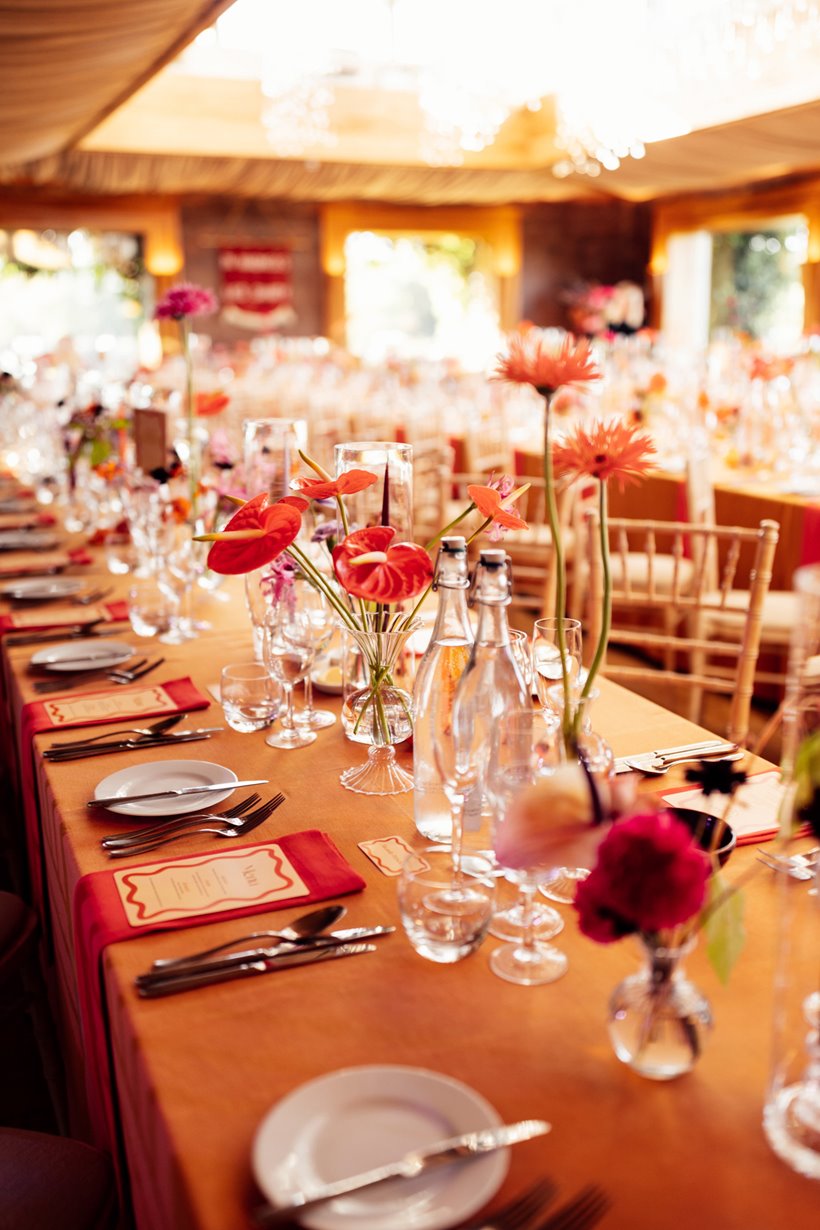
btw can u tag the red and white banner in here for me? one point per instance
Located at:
(257, 287)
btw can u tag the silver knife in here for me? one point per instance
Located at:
(274, 952)
(174, 794)
(456, 1149)
(127, 745)
(189, 982)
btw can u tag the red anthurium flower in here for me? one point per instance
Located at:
(490, 503)
(208, 404)
(254, 536)
(532, 358)
(369, 567)
(348, 483)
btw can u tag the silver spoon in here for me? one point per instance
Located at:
(658, 768)
(301, 928)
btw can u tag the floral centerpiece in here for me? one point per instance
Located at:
(373, 577)
(600, 452)
(182, 303)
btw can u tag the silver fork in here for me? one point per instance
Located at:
(237, 829)
(798, 866)
(583, 1211)
(156, 728)
(137, 836)
(94, 595)
(130, 676)
(518, 1213)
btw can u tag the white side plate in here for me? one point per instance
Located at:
(83, 655)
(34, 589)
(166, 775)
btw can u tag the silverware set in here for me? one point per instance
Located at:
(72, 679)
(67, 632)
(237, 822)
(103, 745)
(92, 596)
(798, 866)
(662, 760)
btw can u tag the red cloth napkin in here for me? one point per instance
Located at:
(115, 612)
(810, 549)
(100, 920)
(113, 704)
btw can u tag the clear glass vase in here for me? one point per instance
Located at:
(658, 1020)
(376, 709)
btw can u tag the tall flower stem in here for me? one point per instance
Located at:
(319, 582)
(193, 460)
(560, 565)
(606, 614)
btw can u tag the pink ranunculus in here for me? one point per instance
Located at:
(649, 874)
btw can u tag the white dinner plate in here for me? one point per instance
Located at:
(83, 655)
(40, 589)
(166, 775)
(28, 540)
(357, 1118)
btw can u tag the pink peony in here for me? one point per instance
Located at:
(649, 875)
(185, 300)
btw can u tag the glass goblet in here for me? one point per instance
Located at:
(321, 623)
(288, 654)
(546, 656)
(527, 960)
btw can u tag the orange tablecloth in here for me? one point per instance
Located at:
(196, 1073)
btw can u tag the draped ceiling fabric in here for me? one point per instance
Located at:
(65, 64)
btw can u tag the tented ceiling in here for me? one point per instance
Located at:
(65, 65)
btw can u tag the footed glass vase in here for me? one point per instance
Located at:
(377, 709)
(658, 1020)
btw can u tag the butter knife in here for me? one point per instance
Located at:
(304, 944)
(189, 982)
(456, 1149)
(211, 788)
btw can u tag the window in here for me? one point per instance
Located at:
(756, 284)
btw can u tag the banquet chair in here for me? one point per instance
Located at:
(693, 657)
(49, 1181)
(23, 991)
(432, 466)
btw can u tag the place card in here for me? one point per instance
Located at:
(755, 806)
(390, 853)
(208, 884)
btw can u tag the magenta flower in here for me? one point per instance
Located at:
(186, 300)
(649, 875)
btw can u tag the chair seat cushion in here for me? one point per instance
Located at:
(663, 572)
(48, 1182)
(780, 613)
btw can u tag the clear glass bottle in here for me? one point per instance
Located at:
(437, 677)
(490, 686)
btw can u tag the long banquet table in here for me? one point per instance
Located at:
(195, 1073)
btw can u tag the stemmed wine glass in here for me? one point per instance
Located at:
(520, 761)
(288, 654)
(546, 658)
(320, 623)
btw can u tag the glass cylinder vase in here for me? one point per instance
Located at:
(388, 501)
(658, 1019)
(376, 708)
(271, 454)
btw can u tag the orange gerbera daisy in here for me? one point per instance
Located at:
(532, 359)
(348, 483)
(208, 404)
(490, 503)
(605, 450)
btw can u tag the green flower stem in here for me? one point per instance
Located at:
(449, 526)
(318, 581)
(570, 721)
(193, 467)
(606, 615)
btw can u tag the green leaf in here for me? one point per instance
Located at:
(100, 452)
(724, 928)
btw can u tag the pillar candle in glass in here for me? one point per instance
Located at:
(380, 504)
(271, 454)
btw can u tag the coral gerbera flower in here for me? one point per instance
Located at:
(349, 483)
(208, 404)
(605, 450)
(254, 536)
(491, 503)
(532, 359)
(369, 567)
(185, 300)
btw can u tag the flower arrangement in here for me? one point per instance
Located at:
(182, 303)
(600, 452)
(596, 310)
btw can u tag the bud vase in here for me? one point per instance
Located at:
(376, 709)
(658, 1019)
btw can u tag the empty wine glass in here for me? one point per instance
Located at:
(320, 623)
(546, 657)
(520, 646)
(288, 653)
(520, 761)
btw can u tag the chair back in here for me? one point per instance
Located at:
(683, 604)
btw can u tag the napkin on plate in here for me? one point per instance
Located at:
(57, 616)
(103, 901)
